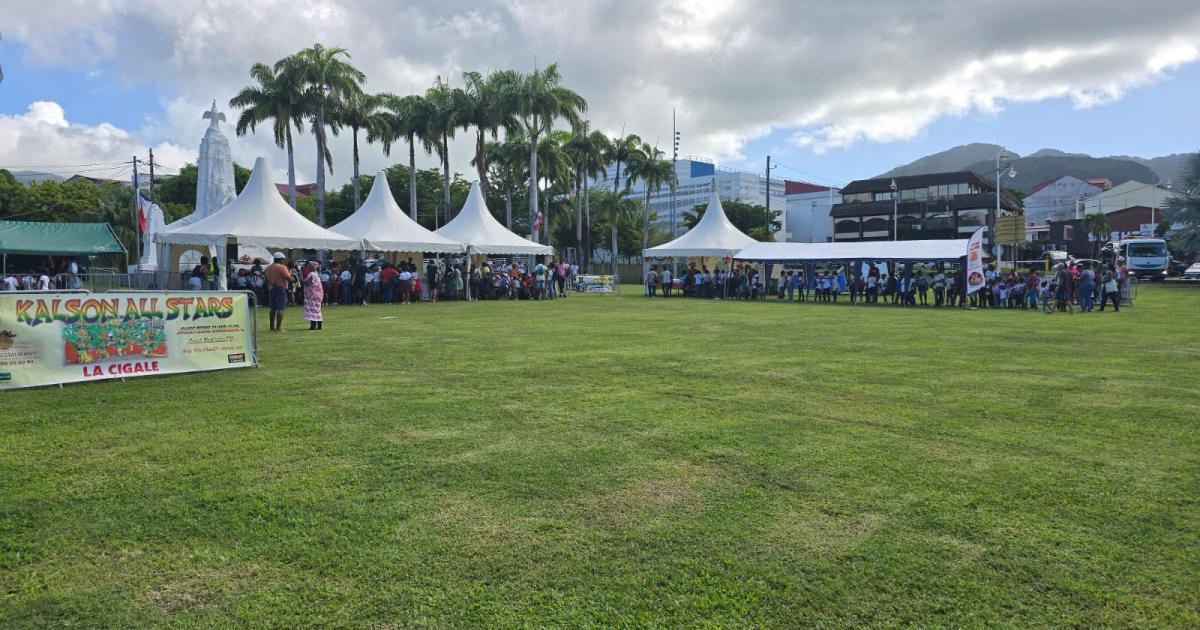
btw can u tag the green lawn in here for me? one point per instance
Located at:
(616, 461)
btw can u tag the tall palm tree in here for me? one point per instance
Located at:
(507, 162)
(488, 104)
(326, 79)
(621, 150)
(361, 111)
(586, 149)
(274, 97)
(1096, 224)
(653, 171)
(407, 118)
(555, 168)
(445, 115)
(540, 100)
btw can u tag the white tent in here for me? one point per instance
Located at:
(260, 217)
(481, 233)
(383, 226)
(714, 235)
(896, 251)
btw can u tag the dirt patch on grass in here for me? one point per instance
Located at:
(826, 534)
(679, 488)
(203, 589)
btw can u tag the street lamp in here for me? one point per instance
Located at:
(1007, 169)
(895, 211)
(812, 219)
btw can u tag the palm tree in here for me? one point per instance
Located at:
(488, 104)
(507, 162)
(361, 111)
(275, 97)
(444, 119)
(620, 150)
(653, 171)
(586, 149)
(407, 118)
(325, 81)
(540, 100)
(1096, 224)
(555, 168)
(1184, 208)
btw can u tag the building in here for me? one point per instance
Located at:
(928, 206)
(806, 218)
(696, 177)
(1133, 208)
(302, 190)
(1060, 198)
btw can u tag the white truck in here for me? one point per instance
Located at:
(1146, 258)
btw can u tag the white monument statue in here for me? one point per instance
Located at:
(214, 176)
(155, 223)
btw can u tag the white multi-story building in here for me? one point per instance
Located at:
(1061, 198)
(807, 217)
(696, 177)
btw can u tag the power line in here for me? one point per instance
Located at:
(60, 165)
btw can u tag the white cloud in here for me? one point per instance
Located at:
(832, 74)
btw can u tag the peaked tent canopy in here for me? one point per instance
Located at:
(383, 226)
(259, 216)
(895, 251)
(475, 227)
(714, 235)
(51, 239)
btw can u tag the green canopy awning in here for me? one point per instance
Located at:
(81, 239)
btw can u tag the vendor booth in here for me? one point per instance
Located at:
(33, 238)
(714, 236)
(259, 217)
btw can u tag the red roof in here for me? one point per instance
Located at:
(302, 190)
(1103, 182)
(794, 188)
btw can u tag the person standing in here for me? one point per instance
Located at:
(1087, 288)
(314, 296)
(214, 274)
(1111, 290)
(667, 282)
(652, 281)
(432, 277)
(278, 276)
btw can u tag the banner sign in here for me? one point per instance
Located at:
(595, 284)
(975, 279)
(51, 338)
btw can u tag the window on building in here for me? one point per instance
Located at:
(846, 226)
(1068, 232)
(939, 220)
(877, 224)
(972, 218)
(884, 196)
(856, 197)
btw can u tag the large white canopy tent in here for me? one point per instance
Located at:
(880, 251)
(258, 216)
(384, 227)
(476, 228)
(713, 235)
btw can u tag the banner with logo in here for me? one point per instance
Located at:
(50, 338)
(975, 278)
(595, 284)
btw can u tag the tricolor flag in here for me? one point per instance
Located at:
(142, 212)
(537, 222)
(138, 201)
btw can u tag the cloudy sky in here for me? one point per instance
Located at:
(833, 91)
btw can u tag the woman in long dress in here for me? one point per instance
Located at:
(314, 295)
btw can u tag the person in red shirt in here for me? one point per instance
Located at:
(387, 283)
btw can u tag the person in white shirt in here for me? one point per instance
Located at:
(43, 282)
(10, 283)
(73, 281)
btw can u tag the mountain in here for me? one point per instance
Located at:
(1032, 171)
(1044, 164)
(26, 177)
(956, 159)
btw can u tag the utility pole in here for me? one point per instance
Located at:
(768, 197)
(137, 223)
(152, 171)
(674, 173)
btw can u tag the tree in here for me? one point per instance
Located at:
(442, 122)
(653, 171)
(407, 118)
(1096, 225)
(749, 218)
(615, 208)
(325, 80)
(488, 104)
(1160, 230)
(361, 111)
(621, 150)
(555, 169)
(1184, 208)
(586, 150)
(540, 99)
(507, 162)
(176, 195)
(274, 97)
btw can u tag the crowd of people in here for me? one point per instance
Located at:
(1072, 284)
(63, 275)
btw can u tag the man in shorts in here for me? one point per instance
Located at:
(278, 276)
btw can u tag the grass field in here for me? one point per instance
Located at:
(625, 462)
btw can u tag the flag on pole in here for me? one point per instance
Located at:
(537, 222)
(975, 279)
(142, 212)
(137, 200)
